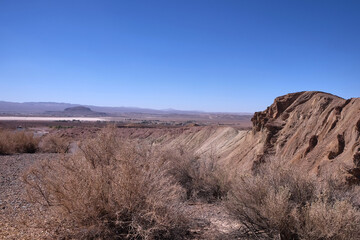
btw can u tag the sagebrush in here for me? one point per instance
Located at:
(280, 202)
(54, 144)
(17, 142)
(202, 178)
(111, 189)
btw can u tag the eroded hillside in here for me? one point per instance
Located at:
(315, 131)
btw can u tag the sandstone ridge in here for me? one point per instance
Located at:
(316, 132)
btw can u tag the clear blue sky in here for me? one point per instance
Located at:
(206, 55)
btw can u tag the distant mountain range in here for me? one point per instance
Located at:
(67, 109)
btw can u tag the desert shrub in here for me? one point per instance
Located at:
(54, 144)
(325, 219)
(111, 189)
(17, 142)
(202, 178)
(25, 142)
(6, 146)
(281, 202)
(334, 213)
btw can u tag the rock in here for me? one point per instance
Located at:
(312, 143)
(305, 129)
(274, 111)
(340, 147)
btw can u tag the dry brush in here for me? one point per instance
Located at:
(112, 189)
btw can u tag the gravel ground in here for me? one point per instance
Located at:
(17, 215)
(20, 219)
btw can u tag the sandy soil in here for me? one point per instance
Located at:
(18, 217)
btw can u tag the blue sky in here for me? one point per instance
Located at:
(224, 55)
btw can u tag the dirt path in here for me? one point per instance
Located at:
(212, 222)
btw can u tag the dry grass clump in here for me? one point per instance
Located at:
(202, 178)
(54, 144)
(282, 203)
(111, 190)
(17, 142)
(324, 219)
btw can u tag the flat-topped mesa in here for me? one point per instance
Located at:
(81, 111)
(78, 109)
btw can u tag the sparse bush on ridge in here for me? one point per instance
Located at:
(111, 189)
(324, 219)
(280, 202)
(201, 178)
(17, 142)
(54, 144)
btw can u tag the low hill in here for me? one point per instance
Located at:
(78, 111)
(81, 111)
(315, 131)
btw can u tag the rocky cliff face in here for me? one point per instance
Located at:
(313, 130)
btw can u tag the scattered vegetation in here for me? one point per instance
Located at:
(122, 188)
(54, 144)
(280, 202)
(17, 142)
(112, 189)
(201, 178)
(61, 127)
